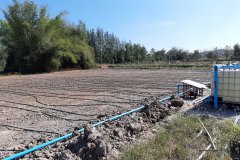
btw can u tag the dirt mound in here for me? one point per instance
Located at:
(177, 102)
(110, 139)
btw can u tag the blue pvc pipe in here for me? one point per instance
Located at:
(23, 153)
(164, 99)
(215, 87)
(118, 116)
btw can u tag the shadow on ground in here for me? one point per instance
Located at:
(223, 111)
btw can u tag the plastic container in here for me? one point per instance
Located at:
(228, 86)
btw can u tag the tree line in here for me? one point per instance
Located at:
(178, 54)
(109, 49)
(31, 41)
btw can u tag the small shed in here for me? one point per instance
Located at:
(191, 89)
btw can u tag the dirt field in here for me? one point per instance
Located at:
(32, 105)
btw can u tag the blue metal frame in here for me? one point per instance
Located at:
(237, 66)
(216, 68)
(215, 87)
(178, 89)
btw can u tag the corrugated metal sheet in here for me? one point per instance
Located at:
(193, 83)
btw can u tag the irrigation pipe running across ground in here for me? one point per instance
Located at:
(23, 153)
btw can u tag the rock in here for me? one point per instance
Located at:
(118, 132)
(101, 149)
(109, 147)
(154, 131)
(90, 133)
(81, 152)
(76, 133)
(106, 125)
(100, 116)
(119, 145)
(135, 127)
(30, 145)
(115, 153)
(118, 124)
(140, 120)
(168, 104)
(88, 129)
(38, 154)
(67, 155)
(48, 154)
(91, 146)
(153, 116)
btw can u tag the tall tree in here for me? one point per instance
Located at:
(35, 42)
(196, 56)
(228, 53)
(159, 55)
(2, 58)
(152, 51)
(236, 52)
(109, 49)
(211, 56)
(176, 54)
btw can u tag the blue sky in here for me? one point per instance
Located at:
(188, 24)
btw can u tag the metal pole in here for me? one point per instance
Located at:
(216, 87)
(178, 89)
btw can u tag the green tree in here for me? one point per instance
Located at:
(129, 52)
(228, 53)
(159, 55)
(176, 54)
(37, 43)
(142, 53)
(236, 52)
(211, 56)
(196, 56)
(109, 49)
(2, 58)
(152, 51)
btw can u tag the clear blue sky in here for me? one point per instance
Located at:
(188, 24)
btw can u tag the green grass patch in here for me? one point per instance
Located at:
(161, 66)
(178, 141)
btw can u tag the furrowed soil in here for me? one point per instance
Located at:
(53, 104)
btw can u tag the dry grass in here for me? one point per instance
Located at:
(178, 141)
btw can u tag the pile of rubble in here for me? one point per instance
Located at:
(110, 139)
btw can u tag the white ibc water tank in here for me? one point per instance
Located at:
(228, 85)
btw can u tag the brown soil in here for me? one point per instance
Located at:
(53, 104)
